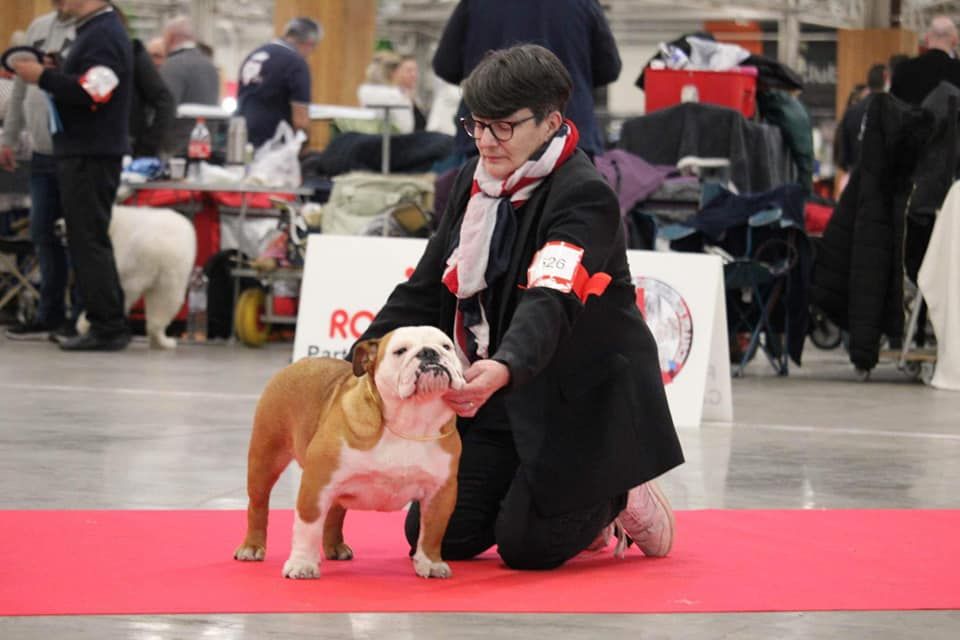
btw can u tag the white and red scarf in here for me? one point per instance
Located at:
(487, 234)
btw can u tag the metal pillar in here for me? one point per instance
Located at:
(788, 42)
(202, 13)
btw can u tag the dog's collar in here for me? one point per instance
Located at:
(439, 436)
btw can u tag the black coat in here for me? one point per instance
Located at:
(153, 111)
(858, 271)
(915, 78)
(586, 401)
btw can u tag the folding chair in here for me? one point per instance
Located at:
(759, 280)
(19, 268)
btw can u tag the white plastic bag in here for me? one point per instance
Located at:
(277, 162)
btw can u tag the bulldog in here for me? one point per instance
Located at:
(372, 436)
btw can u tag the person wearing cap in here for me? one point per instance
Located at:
(274, 82)
(91, 95)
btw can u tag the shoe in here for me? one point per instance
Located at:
(65, 332)
(647, 520)
(31, 331)
(92, 342)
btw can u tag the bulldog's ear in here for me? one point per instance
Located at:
(364, 356)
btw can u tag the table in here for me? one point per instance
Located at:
(245, 191)
(316, 112)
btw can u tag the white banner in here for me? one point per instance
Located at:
(346, 279)
(681, 297)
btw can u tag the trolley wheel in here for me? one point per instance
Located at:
(823, 333)
(912, 369)
(246, 317)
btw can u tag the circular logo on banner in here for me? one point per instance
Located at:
(668, 317)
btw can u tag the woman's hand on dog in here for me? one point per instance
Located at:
(484, 378)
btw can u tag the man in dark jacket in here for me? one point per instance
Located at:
(917, 77)
(153, 109)
(576, 31)
(91, 97)
(275, 82)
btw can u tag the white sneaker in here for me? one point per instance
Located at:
(647, 520)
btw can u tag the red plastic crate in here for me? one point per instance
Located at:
(736, 89)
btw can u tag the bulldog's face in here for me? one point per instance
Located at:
(412, 362)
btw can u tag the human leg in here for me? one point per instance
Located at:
(487, 467)
(88, 187)
(527, 539)
(51, 255)
(44, 213)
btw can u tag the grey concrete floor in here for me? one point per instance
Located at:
(174, 427)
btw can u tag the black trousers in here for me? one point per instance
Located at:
(495, 507)
(88, 187)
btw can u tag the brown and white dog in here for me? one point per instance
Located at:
(374, 437)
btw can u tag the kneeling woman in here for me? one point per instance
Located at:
(564, 418)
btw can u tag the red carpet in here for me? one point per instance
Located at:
(140, 562)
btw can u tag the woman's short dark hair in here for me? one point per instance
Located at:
(524, 76)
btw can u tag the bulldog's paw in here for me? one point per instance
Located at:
(249, 553)
(341, 551)
(300, 569)
(426, 568)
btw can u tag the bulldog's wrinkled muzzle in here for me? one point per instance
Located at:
(429, 372)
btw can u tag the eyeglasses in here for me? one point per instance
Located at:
(502, 130)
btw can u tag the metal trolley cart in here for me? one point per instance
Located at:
(274, 301)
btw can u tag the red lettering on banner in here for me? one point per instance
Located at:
(338, 323)
(360, 315)
(343, 324)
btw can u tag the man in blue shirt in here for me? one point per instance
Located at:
(274, 83)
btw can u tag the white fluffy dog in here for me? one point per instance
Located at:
(154, 249)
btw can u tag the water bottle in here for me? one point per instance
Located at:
(197, 306)
(198, 150)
